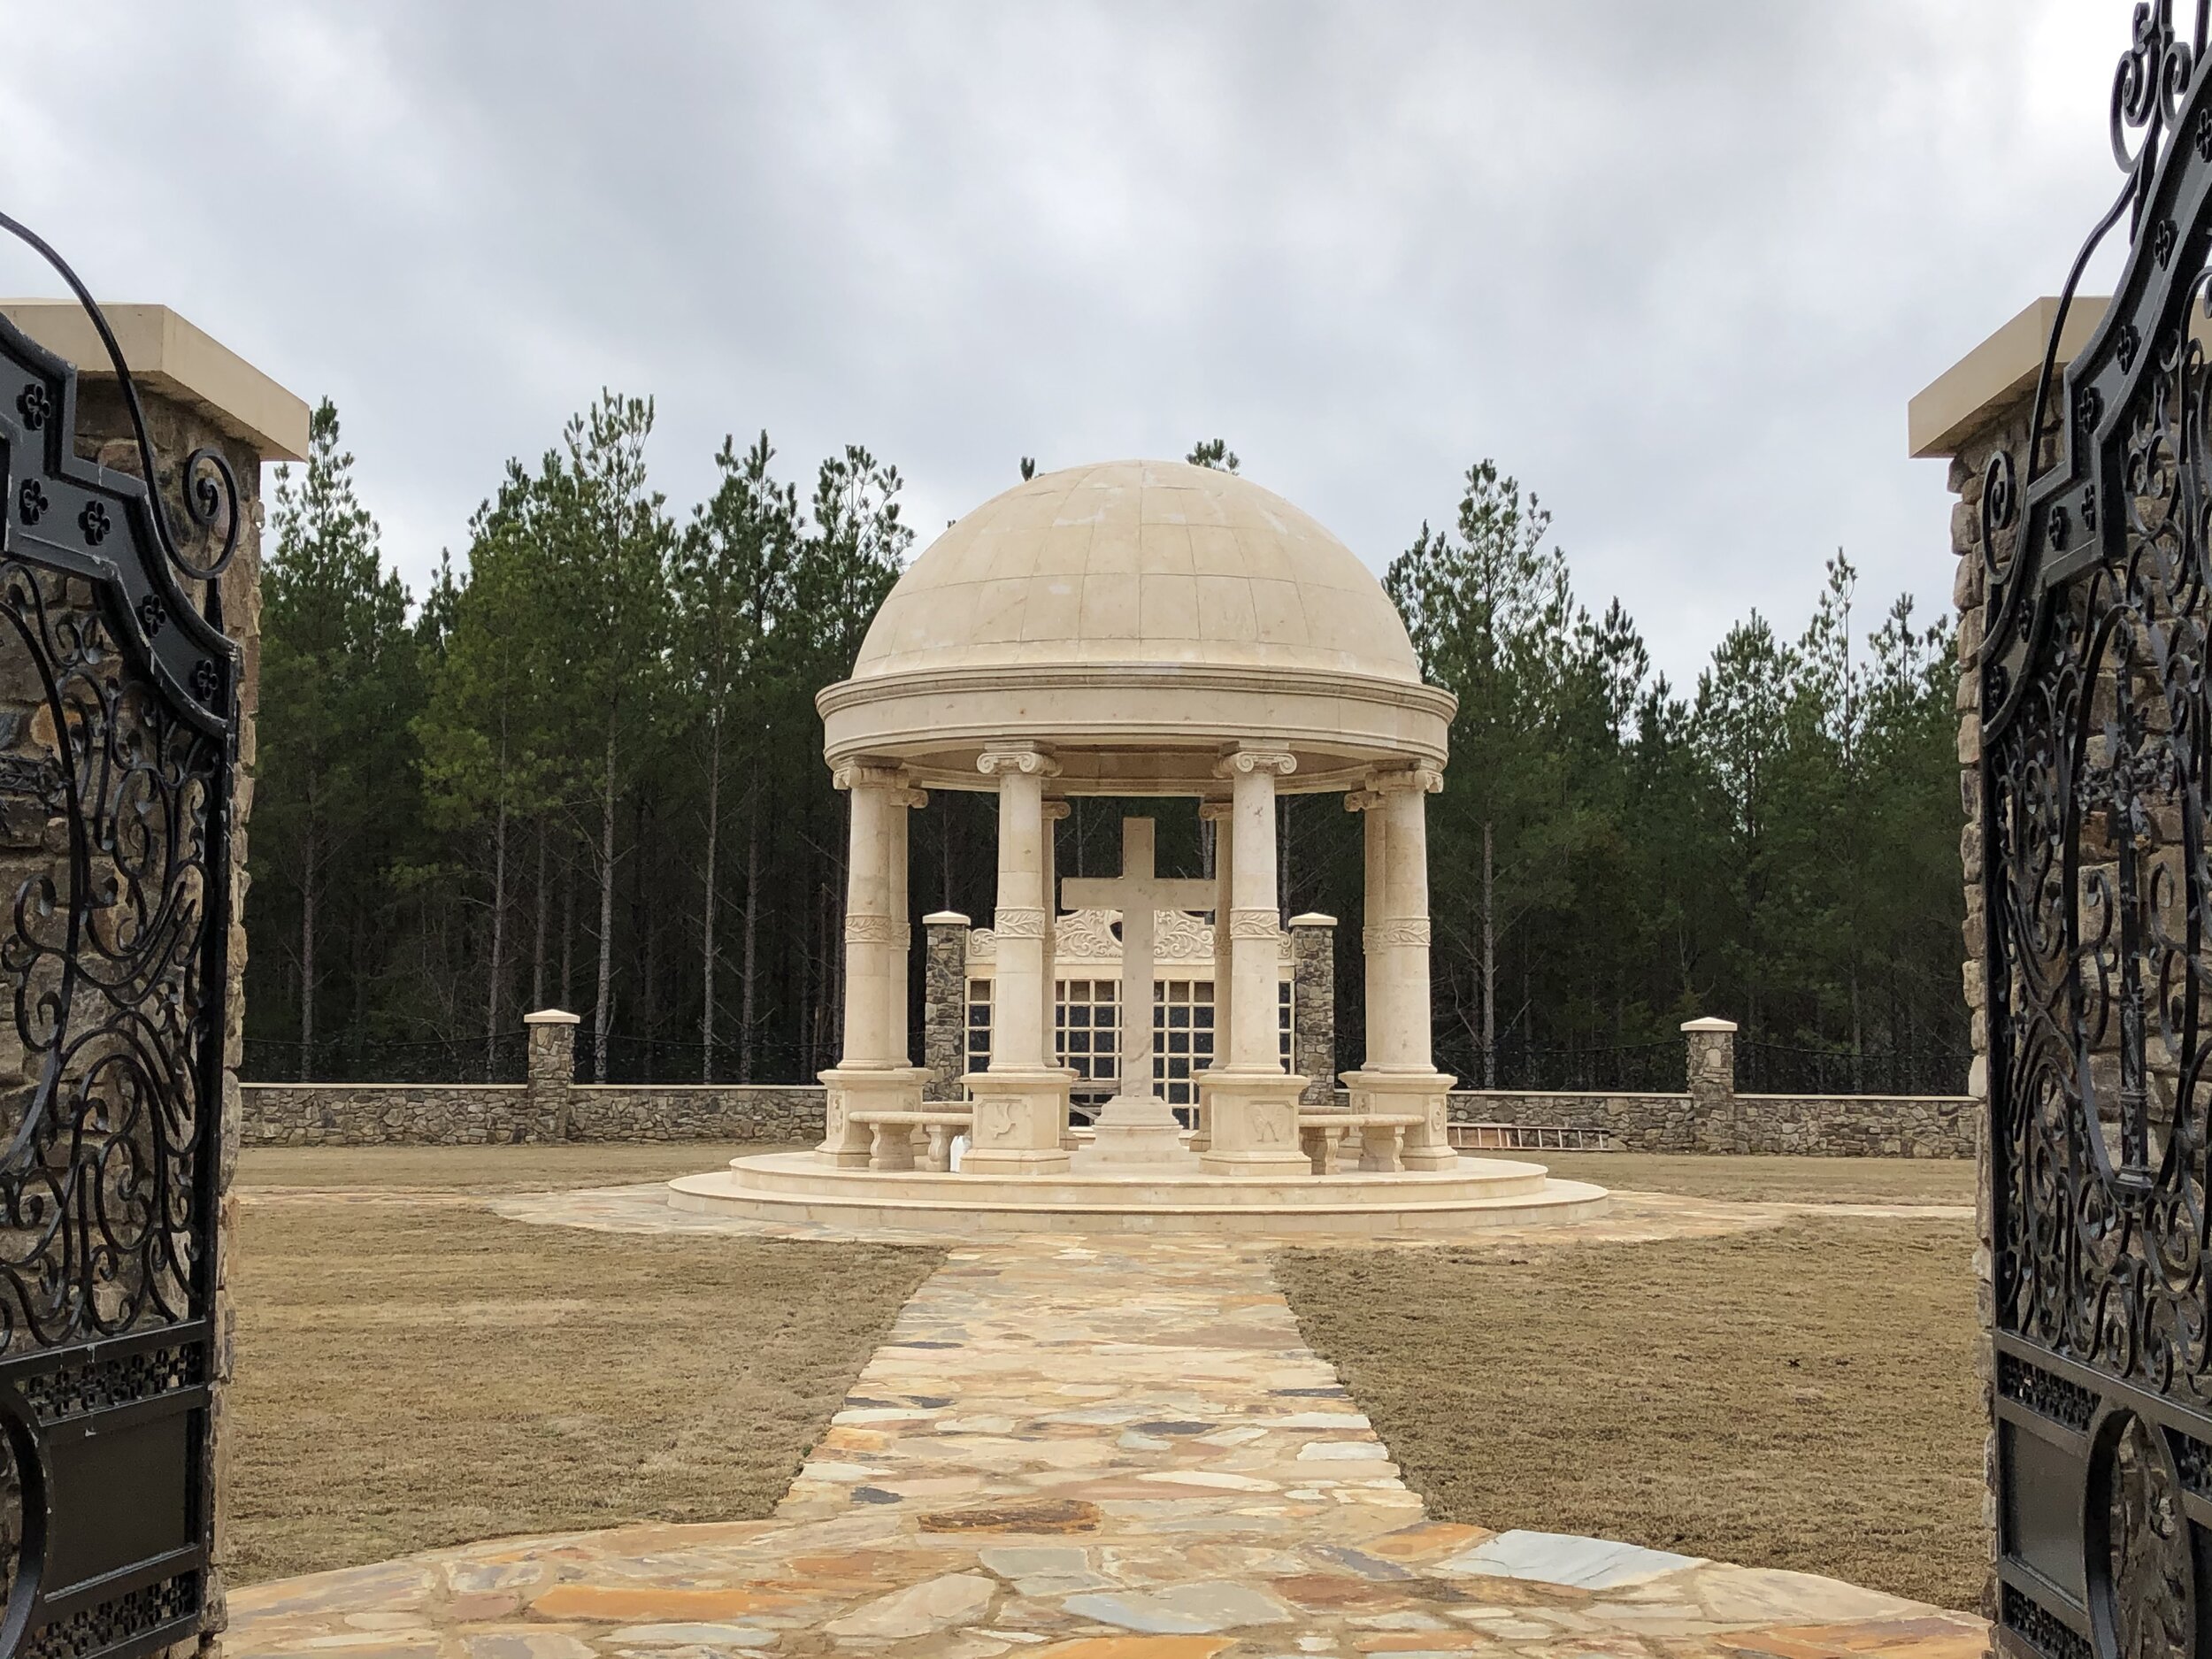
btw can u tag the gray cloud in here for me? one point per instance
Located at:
(1678, 267)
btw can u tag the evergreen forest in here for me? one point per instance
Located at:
(582, 768)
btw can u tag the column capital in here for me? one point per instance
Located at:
(1053, 810)
(1280, 762)
(1022, 757)
(1427, 780)
(1362, 800)
(1216, 811)
(871, 774)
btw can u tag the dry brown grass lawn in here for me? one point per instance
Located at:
(1802, 1397)
(413, 1374)
(1797, 1180)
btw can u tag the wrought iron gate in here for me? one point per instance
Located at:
(117, 730)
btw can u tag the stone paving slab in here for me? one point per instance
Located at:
(1634, 1218)
(1102, 1449)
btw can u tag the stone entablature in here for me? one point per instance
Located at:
(1084, 943)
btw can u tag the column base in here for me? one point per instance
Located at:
(1019, 1119)
(1135, 1131)
(1427, 1145)
(1252, 1125)
(896, 1088)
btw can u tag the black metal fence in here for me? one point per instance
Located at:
(1639, 1068)
(397, 1060)
(1775, 1068)
(1632, 1068)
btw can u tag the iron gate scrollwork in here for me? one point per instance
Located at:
(2096, 768)
(117, 735)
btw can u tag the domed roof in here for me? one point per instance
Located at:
(1139, 562)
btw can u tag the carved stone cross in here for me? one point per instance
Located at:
(1137, 892)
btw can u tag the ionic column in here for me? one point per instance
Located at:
(1399, 1076)
(1221, 815)
(1375, 828)
(1254, 916)
(1403, 947)
(1021, 1101)
(1051, 812)
(875, 918)
(1252, 1117)
(874, 1073)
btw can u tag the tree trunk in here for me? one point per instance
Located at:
(537, 946)
(706, 925)
(499, 943)
(1489, 966)
(310, 877)
(752, 932)
(603, 1010)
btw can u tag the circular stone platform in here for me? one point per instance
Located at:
(1480, 1192)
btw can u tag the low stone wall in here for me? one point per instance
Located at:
(1817, 1126)
(696, 1111)
(491, 1114)
(386, 1115)
(494, 1114)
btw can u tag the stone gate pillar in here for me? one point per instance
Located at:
(195, 393)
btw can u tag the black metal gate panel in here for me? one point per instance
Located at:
(118, 732)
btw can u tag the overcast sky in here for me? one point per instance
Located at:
(1678, 266)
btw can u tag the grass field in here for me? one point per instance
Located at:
(1802, 1397)
(414, 1372)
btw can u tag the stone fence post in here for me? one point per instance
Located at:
(1313, 1006)
(944, 1004)
(1711, 1058)
(552, 1070)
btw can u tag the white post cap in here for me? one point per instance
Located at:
(1313, 918)
(552, 1017)
(1708, 1024)
(945, 919)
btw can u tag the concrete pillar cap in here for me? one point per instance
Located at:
(945, 919)
(1313, 918)
(552, 1017)
(1708, 1024)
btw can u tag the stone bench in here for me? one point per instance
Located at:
(1382, 1139)
(891, 1137)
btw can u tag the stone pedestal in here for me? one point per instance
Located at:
(1428, 1144)
(1019, 1115)
(1135, 1131)
(845, 1143)
(1254, 1118)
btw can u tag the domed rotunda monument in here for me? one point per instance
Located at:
(1133, 629)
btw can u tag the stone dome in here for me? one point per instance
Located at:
(1152, 562)
(1138, 619)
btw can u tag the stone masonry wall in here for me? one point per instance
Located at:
(1313, 1005)
(498, 1114)
(1848, 1125)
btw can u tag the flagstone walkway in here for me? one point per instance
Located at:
(1112, 1448)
